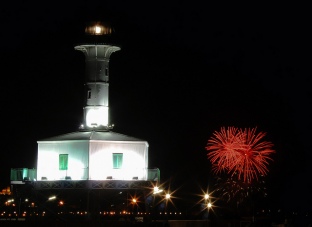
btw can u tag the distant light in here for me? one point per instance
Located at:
(52, 197)
(157, 190)
(206, 196)
(209, 205)
(167, 196)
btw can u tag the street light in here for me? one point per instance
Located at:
(157, 190)
(208, 204)
(52, 198)
(134, 202)
(167, 196)
(166, 208)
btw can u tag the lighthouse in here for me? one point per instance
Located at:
(93, 158)
(94, 152)
(97, 54)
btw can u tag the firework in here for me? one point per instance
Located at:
(231, 189)
(239, 151)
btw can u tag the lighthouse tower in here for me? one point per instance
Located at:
(97, 54)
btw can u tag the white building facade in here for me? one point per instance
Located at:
(92, 156)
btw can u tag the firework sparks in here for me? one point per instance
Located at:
(233, 189)
(239, 151)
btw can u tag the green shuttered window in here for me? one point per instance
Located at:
(117, 160)
(63, 162)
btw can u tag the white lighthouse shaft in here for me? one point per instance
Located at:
(96, 109)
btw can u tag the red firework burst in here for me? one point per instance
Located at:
(239, 151)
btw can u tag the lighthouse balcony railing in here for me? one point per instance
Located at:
(19, 175)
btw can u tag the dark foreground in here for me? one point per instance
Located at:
(146, 221)
(115, 223)
(158, 223)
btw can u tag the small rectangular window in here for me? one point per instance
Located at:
(117, 160)
(63, 162)
(89, 94)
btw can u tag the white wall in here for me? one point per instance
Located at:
(48, 160)
(135, 161)
(92, 160)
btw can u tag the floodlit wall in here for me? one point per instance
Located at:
(134, 160)
(92, 160)
(48, 163)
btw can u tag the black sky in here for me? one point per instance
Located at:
(185, 70)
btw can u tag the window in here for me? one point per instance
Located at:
(89, 94)
(63, 162)
(117, 160)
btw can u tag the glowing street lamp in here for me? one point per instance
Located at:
(168, 196)
(52, 198)
(157, 190)
(208, 204)
(135, 203)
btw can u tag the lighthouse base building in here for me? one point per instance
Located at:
(92, 155)
(89, 156)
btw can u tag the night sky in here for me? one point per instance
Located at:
(184, 71)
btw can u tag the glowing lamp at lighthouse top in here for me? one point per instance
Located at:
(98, 29)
